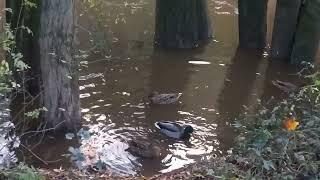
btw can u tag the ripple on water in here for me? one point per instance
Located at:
(120, 86)
(110, 143)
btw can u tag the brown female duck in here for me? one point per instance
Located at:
(170, 98)
(143, 148)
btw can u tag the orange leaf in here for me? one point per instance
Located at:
(290, 124)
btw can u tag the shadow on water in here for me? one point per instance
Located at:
(170, 73)
(48, 150)
(238, 86)
(279, 70)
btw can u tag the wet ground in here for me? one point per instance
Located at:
(121, 67)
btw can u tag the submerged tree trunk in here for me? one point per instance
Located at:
(285, 23)
(181, 23)
(252, 23)
(58, 67)
(2, 23)
(2, 14)
(307, 37)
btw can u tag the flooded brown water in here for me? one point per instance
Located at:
(217, 82)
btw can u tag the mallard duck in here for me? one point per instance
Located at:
(157, 98)
(143, 148)
(174, 130)
(285, 86)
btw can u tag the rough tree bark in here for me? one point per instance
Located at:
(2, 13)
(252, 23)
(307, 37)
(285, 23)
(2, 23)
(182, 23)
(58, 67)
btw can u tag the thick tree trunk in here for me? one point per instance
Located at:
(252, 23)
(2, 23)
(2, 14)
(307, 37)
(285, 23)
(182, 23)
(58, 67)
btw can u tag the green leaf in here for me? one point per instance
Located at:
(262, 138)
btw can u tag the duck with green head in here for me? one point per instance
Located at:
(174, 130)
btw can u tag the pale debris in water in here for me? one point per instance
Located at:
(102, 117)
(87, 117)
(138, 113)
(94, 107)
(185, 113)
(126, 94)
(126, 104)
(199, 62)
(85, 95)
(85, 110)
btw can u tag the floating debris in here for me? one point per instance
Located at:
(199, 62)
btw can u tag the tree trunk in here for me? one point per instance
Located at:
(182, 23)
(285, 23)
(2, 23)
(2, 14)
(58, 67)
(252, 23)
(307, 37)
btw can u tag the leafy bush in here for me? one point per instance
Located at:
(21, 172)
(282, 142)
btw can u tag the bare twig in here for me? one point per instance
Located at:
(44, 130)
(43, 161)
(22, 110)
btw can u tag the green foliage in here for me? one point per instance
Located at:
(268, 149)
(12, 62)
(30, 3)
(7, 38)
(18, 63)
(35, 113)
(5, 73)
(22, 172)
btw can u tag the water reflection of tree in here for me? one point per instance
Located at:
(49, 150)
(238, 86)
(170, 73)
(278, 70)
